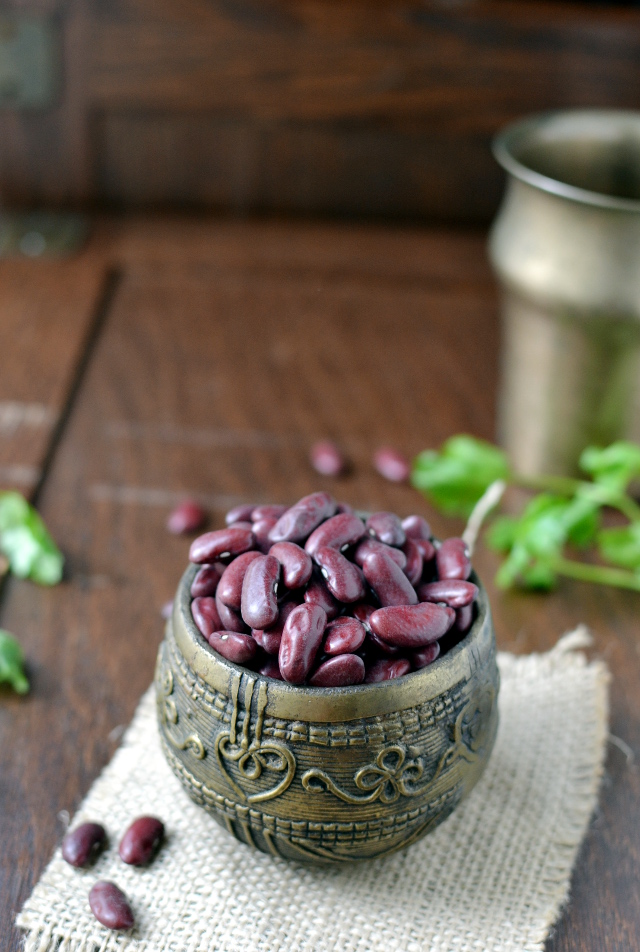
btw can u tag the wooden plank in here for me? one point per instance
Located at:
(214, 380)
(47, 309)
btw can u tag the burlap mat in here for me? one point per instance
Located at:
(492, 878)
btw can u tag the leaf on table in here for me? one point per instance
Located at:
(458, 475)
(12, 663)
(25, 541)
(614, 466)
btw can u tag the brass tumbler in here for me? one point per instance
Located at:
(566, 247)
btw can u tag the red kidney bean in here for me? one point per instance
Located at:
(241, 524)
(80, 846)
(187, 517)
(236, 647)
(260, 592)
(302, 518)
(230, 620)
(229, 588)
(367, 546)
(240, 513)
(453, 592)
(205, 614)
(268, 512)
(221, 542)
(317, 593)
(385, 669)
(425, 656)
(416, 527)
(337, 672)
(415, 563)
(296, 564)
(379, 646)
(386, 527)
(141, 841)
(391, 464)
(338, 532)
(452, 559)
(363, 613)
(344, 636)
(412, 626)
(110, 906)
(261, 532)
(269, 639)
(270, 669)
(345, 508)
(167, 610)
(205, 581)
(301, 639)
(326, 458)
(388, 581)
(427, 549)
(344, 579)
(464, 618)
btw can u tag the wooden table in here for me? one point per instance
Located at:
(204, 357)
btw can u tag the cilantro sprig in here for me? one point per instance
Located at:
(563, 513)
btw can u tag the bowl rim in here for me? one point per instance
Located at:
(330, 705)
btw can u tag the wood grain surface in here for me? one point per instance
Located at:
(358, 107)
(225, 350)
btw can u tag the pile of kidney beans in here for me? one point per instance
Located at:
(312, 594)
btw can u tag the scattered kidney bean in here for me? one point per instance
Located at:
(261, 532)
(453, 592)
(326, 458)
(425, 656)
(464, 618)
(391, 464)
(301, 638)
(229, 588)
(317, 593)
(236, 647)
(296, 564)
(270, 669)
(206, 580)
(337, 672)
(344, 507)
(367, 546)
(269, 639)
(339, 532)
(268, 512)
(344, 579)
(344, 636)
(415, 563)
(110, 906)
(388, 581)
(387, 668)
(416, 527)
(141, 841)
(205, 614)
(187, 517)
(220, 543)
(242, 513)
(230, 620)
(302, 518)
(412, 626)
(80, 846)
(260, 592)
(386, 527)
(452, 559)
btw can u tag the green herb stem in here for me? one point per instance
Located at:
(566, 486)
(599, 574)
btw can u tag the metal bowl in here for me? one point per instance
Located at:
(326, 774)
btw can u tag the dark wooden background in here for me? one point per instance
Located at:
(349, 107)
(205, 357)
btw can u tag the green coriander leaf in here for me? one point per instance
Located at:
(12, 663)
(621, 546)
(460, 473)
(26, 543)
(501, 534)
(613, 467)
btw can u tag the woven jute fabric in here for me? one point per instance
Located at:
(492, 878)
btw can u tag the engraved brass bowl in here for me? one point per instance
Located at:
(326, 774)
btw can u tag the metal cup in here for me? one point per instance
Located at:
(566, 247)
